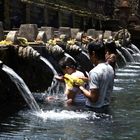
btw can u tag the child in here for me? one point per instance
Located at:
(72, 78)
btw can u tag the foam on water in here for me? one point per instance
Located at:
(135, 63)
(125, 80)
(128, 70)
(117, 88)
(64, 115)
(133, 66)
(127, 74)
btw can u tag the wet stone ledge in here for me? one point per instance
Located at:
(35, 73)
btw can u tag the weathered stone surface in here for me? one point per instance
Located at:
(79, 36)
(49, 31)
(1, 31)
(12, 36)
(74, 32)
(107, 34)
(91, 32)
(41, 36)
(29, 31)
(66, 31)
(35, 73)
(94, 33)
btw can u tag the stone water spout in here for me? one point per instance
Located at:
(127, 55)
(55, 50)
(73, 49)
(24, 50)
(22, 87)
(123, 36)
(28, 52)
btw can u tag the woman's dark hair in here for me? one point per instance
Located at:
(110, 47)
(67, 61)
(98, 48)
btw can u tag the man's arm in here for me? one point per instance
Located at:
(92, 95)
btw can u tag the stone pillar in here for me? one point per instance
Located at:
(124, 15)
(139, 7)
(7, 14)
(73, 17)
(59, 19)
(1, 32)
(45, 16)
(28, 15)
(77, 21)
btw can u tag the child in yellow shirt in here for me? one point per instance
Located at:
(72, 77)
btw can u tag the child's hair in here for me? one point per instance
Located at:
(66, 61)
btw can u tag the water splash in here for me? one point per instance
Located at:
(57, 88)
(49, 64)
(128, 70)
(122, 56)
(127, 74)
(128, 54)
(135, 48)
(84, 53)
(53, 90)
(25, 92)
(67, 55)
(117, 88)
(133, 66)
(65, 115)
(130, 50)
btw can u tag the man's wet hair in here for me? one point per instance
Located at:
(98, 48)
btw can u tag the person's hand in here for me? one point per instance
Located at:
(76, 85)
(59, 77)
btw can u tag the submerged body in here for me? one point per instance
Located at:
(72, 78)
(101, 80)
(72, 91)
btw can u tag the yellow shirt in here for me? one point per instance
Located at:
(72, 80)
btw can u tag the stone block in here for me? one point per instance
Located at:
(91, 32)
(74, 32)
(107, 34)
(94, 33)
(79, 36)
(29, 31)
(49, 31)
(41, 36)
(1, 32)
(97, 33)
(66, 31)
(12, 36)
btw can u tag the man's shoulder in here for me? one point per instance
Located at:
(100, 67)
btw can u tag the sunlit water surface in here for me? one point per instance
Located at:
(61, 123)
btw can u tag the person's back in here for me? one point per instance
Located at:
(103, 79)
